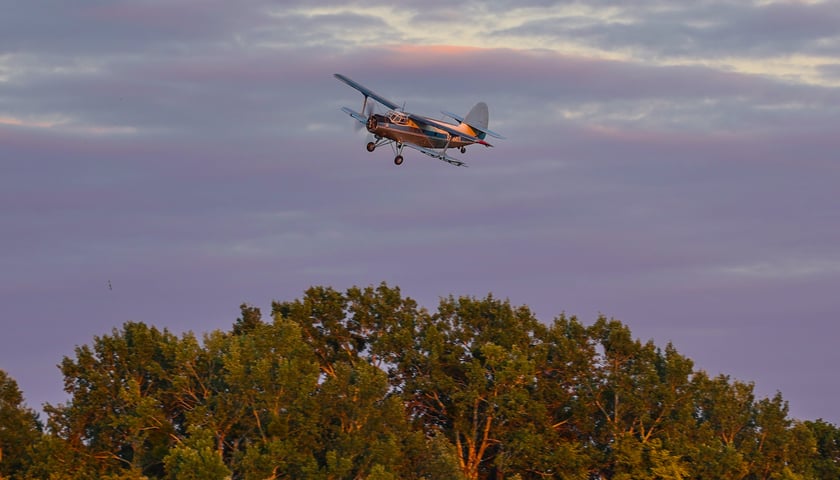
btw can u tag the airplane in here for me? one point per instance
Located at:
(401, 129)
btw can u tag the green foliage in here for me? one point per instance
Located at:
(441, 460)
(365, 384)
(52, 459)
(826, 436)
(19, 428)
(123, 411)
(196, 459)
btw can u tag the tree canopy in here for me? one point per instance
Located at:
(366, 384)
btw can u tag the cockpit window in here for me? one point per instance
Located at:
(398, 117)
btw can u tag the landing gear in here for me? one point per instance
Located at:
(379, 141)
(399, 158)
(463, 149)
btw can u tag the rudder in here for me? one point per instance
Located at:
(478, 117)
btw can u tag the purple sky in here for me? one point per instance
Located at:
(672, 166)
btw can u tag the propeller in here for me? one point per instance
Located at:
(367, 113)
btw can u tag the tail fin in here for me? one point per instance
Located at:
(479, 117)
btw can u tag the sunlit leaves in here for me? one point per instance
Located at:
(365, 384)
(19, 427)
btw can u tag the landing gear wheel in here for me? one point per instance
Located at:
(398, 160)
(371, 146)
(463, 149)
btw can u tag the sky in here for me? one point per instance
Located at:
(672, 165)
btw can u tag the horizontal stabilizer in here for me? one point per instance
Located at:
(478, 128)
(453, 116)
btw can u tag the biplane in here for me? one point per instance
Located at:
(401, 129)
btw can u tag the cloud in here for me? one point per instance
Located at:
(782, 269)
(56, 28)
(831, 71)
(198, 86)
(205, 93)
(702, 29)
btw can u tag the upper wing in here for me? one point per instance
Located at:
(367, 92)
(438, 155)
(446, 128)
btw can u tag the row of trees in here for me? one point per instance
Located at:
(366, 384)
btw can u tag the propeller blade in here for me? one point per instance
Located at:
(367, 113)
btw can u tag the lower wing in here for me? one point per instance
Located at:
(358, 116)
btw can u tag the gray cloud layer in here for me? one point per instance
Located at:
(700, 29)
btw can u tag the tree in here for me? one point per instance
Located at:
(639, 396)
(355, 336)
(372, 324)
(827, 439)
(123, 413)
(19, 428)
(323, 319)
(724, 412)
(468, 376)
(263, 406)
(365, 384)
(552, 439)
(251, 319)
(238, 392)
(363, 427)
(773, 450)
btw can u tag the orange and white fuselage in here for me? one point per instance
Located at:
(401, 128)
